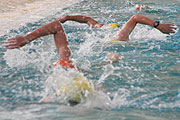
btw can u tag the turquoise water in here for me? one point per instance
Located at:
(143, 85)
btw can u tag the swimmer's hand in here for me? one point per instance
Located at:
(16, 42)
(166, 28)
(46, 99)
(111, 57)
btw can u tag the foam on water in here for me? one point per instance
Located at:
(144, 83)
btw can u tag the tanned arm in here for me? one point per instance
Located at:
(81, 19)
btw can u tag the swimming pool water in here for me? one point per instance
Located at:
(143, 85)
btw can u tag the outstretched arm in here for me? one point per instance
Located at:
(80, 19)
(129, 26)
(54, 28)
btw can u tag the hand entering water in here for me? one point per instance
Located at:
(166, 28)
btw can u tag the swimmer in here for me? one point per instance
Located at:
(74, 90)
(146, 8)
(55, 28)
(128, 27)
(60, 39)
(64, 52)
(140, 7)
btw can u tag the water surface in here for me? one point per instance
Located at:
(143, 85)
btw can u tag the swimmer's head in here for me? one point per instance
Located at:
(76, 90)
(113, 25)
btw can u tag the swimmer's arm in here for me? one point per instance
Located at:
(81, 19)
(46, 99)
(112, 57)
(53, 27)
(129, 26)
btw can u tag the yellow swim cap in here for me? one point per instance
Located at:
(113, 25)
(78, 89)
(112, 41)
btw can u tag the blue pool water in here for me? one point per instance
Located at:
(143, 85)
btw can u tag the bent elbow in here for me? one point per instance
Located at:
(135, 17)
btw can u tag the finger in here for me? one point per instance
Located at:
(173, 27)
(174, 30)
(11, 47)
(171, 24)
(11, 41)
(170, 30)
(7, 46)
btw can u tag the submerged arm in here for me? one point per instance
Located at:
(111, 57)
(80, 19)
